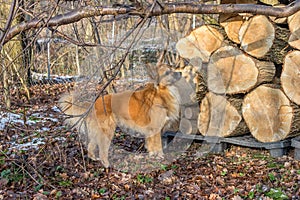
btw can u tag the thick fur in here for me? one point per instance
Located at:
(145, 111)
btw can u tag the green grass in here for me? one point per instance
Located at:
(144, 179)
(276, 194)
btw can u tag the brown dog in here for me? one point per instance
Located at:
(146, 111)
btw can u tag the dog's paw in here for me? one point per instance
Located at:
(92, 156)
(156, 154)
(105, 163)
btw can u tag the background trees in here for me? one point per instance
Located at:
(99, 38)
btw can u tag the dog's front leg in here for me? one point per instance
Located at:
(154, 145)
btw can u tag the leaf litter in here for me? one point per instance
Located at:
(42, 159)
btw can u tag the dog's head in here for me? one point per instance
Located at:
(163, 74)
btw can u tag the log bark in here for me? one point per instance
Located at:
(188, 126)
(257, 35)
(280, 46)
(294, 22)
(220, 116)
(201, 42)
(270, 115)
(201, 85)
(290, 76)
(231, 71)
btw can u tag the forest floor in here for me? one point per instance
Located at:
(40, 159)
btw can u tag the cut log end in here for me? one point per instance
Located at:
(268, 114)
(294, 21)
(257, 35)
(218, 117)
(191, 112)
(232, 27)
(231, 71)
(290, 77)
(188, 126)
(294, 40)
(201, 42)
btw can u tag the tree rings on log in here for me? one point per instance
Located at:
(290, 76)
(270, 2)
(219, 117)
(257, 35)
(270, 115)
(232, 27)
(294, 21)
(201, 42)
(191, 112)
(188, 126)
(231, 71)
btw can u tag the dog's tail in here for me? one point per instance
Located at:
(74, 109)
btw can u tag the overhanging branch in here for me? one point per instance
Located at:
(168, 8)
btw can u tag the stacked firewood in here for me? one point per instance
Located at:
(189, 108)
(251, 71)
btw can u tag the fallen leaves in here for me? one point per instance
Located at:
(59, 168)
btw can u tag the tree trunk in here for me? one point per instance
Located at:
(220, 116)
(290, 76)
(201, 42)
(6, 88)
(270, 115)
(25, 43)
(231, 71)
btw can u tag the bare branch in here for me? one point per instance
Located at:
(168, 8)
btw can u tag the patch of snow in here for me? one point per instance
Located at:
(51, 119)
(60, 139)
(11, 118)
(30, 122)
(6, 118)
(44, 129)
(55, 109)
(28, 145)
(34, 144)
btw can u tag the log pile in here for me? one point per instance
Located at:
(189, 108)
(249, 78)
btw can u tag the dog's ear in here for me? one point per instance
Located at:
(152, 71)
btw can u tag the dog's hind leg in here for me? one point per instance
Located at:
(154, 145)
